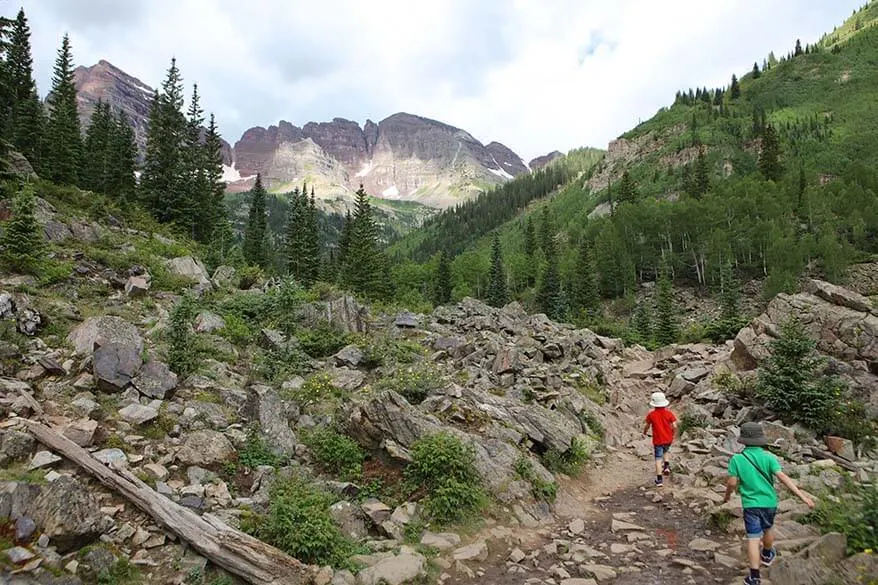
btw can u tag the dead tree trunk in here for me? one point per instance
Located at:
(236, 552)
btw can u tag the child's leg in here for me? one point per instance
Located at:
(659, 452)
(753, 551)
(755, 532)
(768, 539)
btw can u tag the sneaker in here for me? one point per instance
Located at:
(666, 468)
(752, 581)
(659, 482)
(767, 559)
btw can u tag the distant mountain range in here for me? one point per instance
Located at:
(403, 157)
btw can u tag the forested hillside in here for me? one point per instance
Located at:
(768, 177)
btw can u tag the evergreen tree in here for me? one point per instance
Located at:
(530, 237)
(627, 189)
(616, 274)
(496, 294)
(666, 328)
(734, 89)
(255, 252)
(7, 94)
(162, 183)
(344, 240)
(730, 294)
(294, 240)
(196, 196)
(312, 240)
(756, 72)
(800, 189)
(701, 180)
(718, 97)
(27, 112)
(550, 298)
(122, 159)
(96, 166)
(182, 357)
(584, 290)
(64, 142)
(215, 189)
(547, 229)
(21, 245)
(769, 157)
(443, 288)
(365, 268)
(641, 322)
(798, 50)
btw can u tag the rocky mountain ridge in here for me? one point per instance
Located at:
(403, 157)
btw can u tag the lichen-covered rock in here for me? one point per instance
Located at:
(205, 448)
(115, 365)
(155, 380)
(98, 331)
(68, 513)
(189, 267)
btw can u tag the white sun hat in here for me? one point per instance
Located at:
(658, 400)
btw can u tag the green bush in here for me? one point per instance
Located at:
(236, 330)
(720, 330)
(316, 389)
(571, 461)
(414, 383)
(689, 421)
(254, 308)
(546, 491)
(249, 276)
(854, 513)
(277, 364)
(183, 356)
(322, 340)
(445, 467)
(257, 452)
(385, 350)
(338, 454)
(299, 523)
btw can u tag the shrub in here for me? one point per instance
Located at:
(182, 354)
(236, 330)
(571, 461)
(854, 513)
(415, 383)
(792, 384)
(279, 363)
(384, 350)
(249, 276)
(322, 340)
(299, 523)
(257, 452)
(445, 467)
(21, 245)
(720, 330)
(541, 489)
(338, 454)
(254, 308)
(689, 421)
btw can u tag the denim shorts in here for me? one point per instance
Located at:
(660, 450)
(758, 520)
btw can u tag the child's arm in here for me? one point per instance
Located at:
(785, 479)
(731, 485)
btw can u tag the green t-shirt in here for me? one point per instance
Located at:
(756, 491)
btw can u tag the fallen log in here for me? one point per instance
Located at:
(236, 552)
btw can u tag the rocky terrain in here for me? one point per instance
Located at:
(88, 375)
(541, 161)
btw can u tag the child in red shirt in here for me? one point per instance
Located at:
(664, 425)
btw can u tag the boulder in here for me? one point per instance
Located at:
(28, 321)
(272, 339)
(477, 551)
(376, 511)
(136, 286)
(265, 407)
(347, 314)
(351, 356)
(111, 457)
(81, 432)
(155, 380)
(440, 540)
(7, 305)
(189, 267)
(816, 565)
(99, 331)
(349, 520)
(225, 277)
(346, 379)
(406, 320)
(205, 448)
(68, 513)
(42, 459)
(395, 570)
(137, 414)
(208, 322)
(841, 447)
(15, 446)
(507, 361)
(115, 364)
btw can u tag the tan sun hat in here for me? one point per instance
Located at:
(658, 400)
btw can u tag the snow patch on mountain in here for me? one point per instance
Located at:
(390, 192)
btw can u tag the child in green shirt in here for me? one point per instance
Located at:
(753, 471)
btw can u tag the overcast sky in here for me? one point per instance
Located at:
(537, 75)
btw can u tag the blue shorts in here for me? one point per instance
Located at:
(660, 450)
(758, 520)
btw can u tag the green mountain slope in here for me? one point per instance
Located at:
(698, 193)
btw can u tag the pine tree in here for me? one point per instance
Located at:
(800, 189)
(584, 291)
(616, 275)
(627, 189)
(312, 240)
(496, 295)
(27, 113)
(756, 72)
(215, 189)
(196, 196)
(550, 298)
(365, 268)
(798, 50)
(641, 322)
(769, 157)
(122, 159)
(7, 95)
(443, 288)
(730, 294)
(21, 245)
(162, 183)
(547, 229)
(294, 241)
(530, 237)
(64, 142)
(96, 166)
(734, 89)
(666, 328)
(255, 252)
(701, 180)
(718, 97)
(182, 358)
(344, 239)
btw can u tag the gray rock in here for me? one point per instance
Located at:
(601, 573)
(272, 414)
(94, 562)
(815, 565)
(695, 375)
(778, 433)
(115, 365)
(28, 321)
(346, 379)
(376, 511)
(155, 380)
(272, 339)
(51, 365)
(349, 519)
(25, 528)
(406, 320)
(205, 448)
(207, 322)
(347, 314)
(507, 361)
(137, 414)
(81, 432)
(18, 555)
(111, 457)
(394, 570)
(225, 277)
(351, 356)
(99, 331)
(43, 459)
(189, 267)
(86, 407)
(477, 551)
(15, 446)
(16, 498)
(441, 540)
(192, 502)
(136, 286)
(7, 305)
(68, 513)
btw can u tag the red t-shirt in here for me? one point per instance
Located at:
(661, 420)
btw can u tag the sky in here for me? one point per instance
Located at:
(536, 75)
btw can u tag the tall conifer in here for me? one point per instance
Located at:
(497, 295)
(255, 252)
(28, 118)
(442, 290)
(584, 294)
(64, 142)
(666, 328)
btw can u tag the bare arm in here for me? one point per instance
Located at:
(674, 425)
(791, 485)
(731, 485)
(645, 427)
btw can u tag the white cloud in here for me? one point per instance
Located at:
(537, 75)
